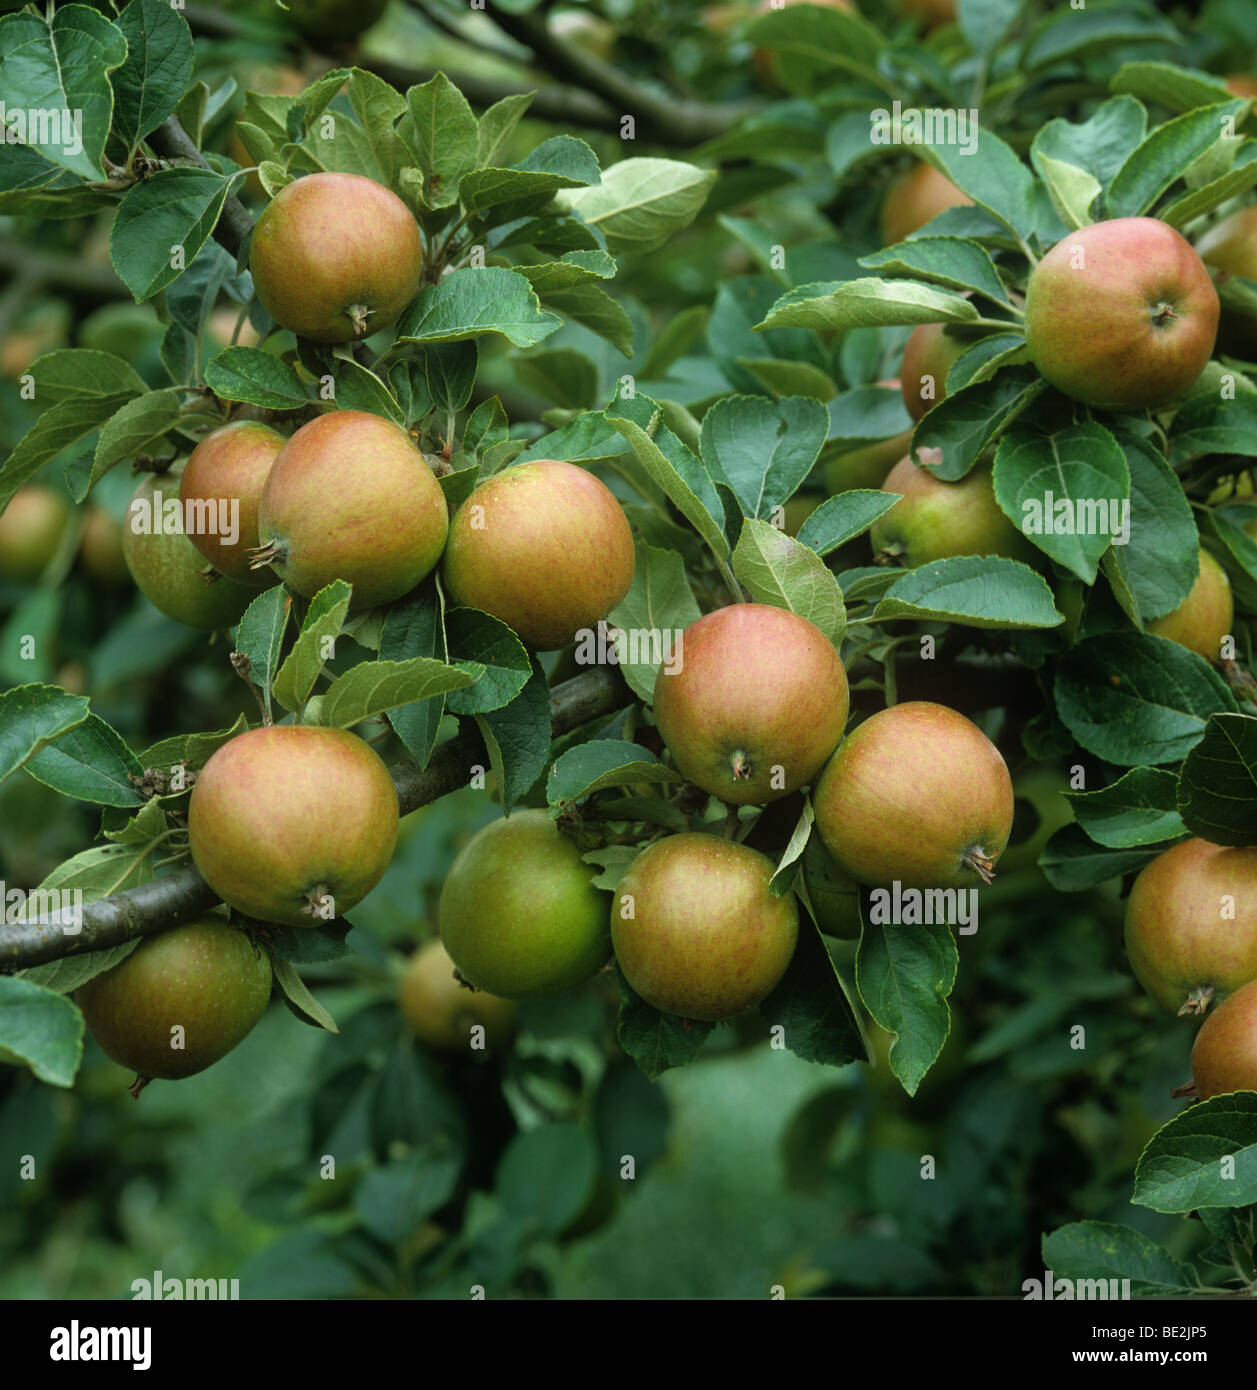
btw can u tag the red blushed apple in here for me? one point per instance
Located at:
(927, 358)
(918, 795)
(759, 703)
(1205, 616)
(1121, 314)
(1191, 924)
(1224, 1055)
(916, 198)
(229, 466)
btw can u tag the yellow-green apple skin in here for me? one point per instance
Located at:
(519, 913)
(916, 198)
(441, 1012)
(30, 529)
(758, 704)
(1205, 617)
(335, 257)
(1121, 314)
(696, 929)
(1224, 1055)
(917, 795)
(1230, 248)
(935, 520)
(928, 356)
(545, 547)
(180, 1001)
(293, 823)
(230, 465)
(1191, 924)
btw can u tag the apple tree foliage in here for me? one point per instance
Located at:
(574, 274)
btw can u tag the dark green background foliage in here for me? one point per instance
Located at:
(699, 309)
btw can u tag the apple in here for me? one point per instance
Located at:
(696, 930)
(227, 470)
(1230, 248)
(350, 497)
(168, 569)
(31, 527)
(915, 198)
(1191, 924)
(1205, 616)
(293, 823)
(758, 704)
(918, 795)
(180, 1001)
(936, 519)
(1121, 314)
(100, 547)
(1224, 1055)
(335, 257)
(927, 358)
(519, 913)
(931, 13)
(543, 546)
(441, 1012)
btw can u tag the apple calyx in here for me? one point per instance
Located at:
(210, 575)
(264, 555)
(1197, 1001)
(1163, 314)
(741, 766)
(358, 316)
(982, 864)
(318, 900)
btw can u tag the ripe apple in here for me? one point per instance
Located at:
(168, 569)
(335, 257)
(1224, 1055)
(293, 823)
(866, 466)
(229, 466)
(937, 519)
(100, 547)
(441, 1012)
(350, 497)
(180, 1001)
(927, 358)
(1191, 924)
(545, 547)
(1241, 85)
(758, 704)
(1121, 314)
(1205, 616)
(519, 913)
(918, 795)
(334, 19)
(915, 198)
(931, 13)
(696, 930)
(31, 527)
(1230, 248)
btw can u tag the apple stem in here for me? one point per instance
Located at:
(980, 862)
(138, 1085)
(1187, 1089)
(358, 316)
(1197, 1001)
(264, 555)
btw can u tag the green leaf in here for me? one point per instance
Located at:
(395, 1200)
(191, 750)
(1217, 784)
(547, 1176)
(56, 429)
(299, 999)
(470, 303)
(640, 203)
(136, 428)
(517, 737)
(358, 388)
(91, 763)
(658, 606)
(496, 126)
(1205, 1157)
(943, 260)
(1166, 155)
(71, 372)
(593, 306)
(303, 665)
(39, 1028)
(763, 449)
(1134, 699)
(780, 378)
(444, 133)
(563, 376)
(256, 377)
(840, 519)
(62, 66)
(1137, 809)
(987, 592)
(811, 1008)
(260, 638)
(600, 763)
(478, 640)
(1072, 862)
(372, 687)
(413, 628)
(655, 1041)
(904, 975)
(838, 305)
(173, 208)
(779, 570)
(575, 268)
(31, 717)
(1093, 1251)
(158, 69)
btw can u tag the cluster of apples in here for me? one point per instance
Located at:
(917, 794)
